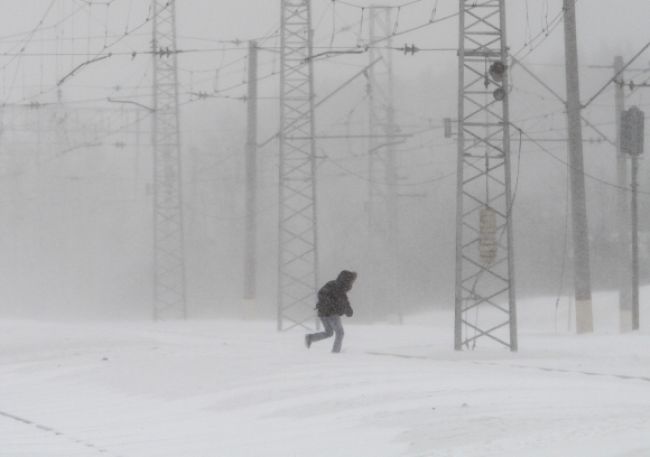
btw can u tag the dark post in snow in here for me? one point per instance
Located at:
(635, 244)
(584, 317)
(632, 133)
(251, 176)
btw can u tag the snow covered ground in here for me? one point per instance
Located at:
(236, 388)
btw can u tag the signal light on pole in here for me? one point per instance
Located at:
(499, 94)
(497, 70)
(632, 131)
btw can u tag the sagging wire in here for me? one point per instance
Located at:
(434, 12)
(333, 24)
(396, 25)
(361, 23)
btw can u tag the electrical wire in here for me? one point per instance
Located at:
(97, 56)
(543, 34)
(565, 249)
(96, 141)
(566, 164)
(354, 5)
(23, 46)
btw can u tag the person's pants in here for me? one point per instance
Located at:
(332, 325)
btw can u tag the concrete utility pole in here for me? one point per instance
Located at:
(635, 243)
(632, 143)
(484, 242)
(251, 176)
(582, 276)
(622, 207)
(169, 244)
(298, 236)
(383, 215)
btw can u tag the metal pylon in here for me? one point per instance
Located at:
(298, 253)
(169, 250)
(382, 198)
(485, 298)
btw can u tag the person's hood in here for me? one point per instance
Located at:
(346, 279)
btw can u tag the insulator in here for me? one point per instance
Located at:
(410, 49)
(487, 245)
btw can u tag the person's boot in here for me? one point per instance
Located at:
(308, 340)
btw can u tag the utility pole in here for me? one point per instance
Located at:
(251, 176)
(383, 216)
(635, 243)
(584, 316)
(632, 141)
(623, 229)
(297, 231)
(169, 245)
(484, 241)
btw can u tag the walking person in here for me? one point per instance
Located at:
(332, 304)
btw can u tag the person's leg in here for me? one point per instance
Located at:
(338, 329)
(328, 330)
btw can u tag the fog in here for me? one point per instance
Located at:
(90, 365)
(76, 179)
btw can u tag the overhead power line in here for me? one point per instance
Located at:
(544, 149)
(617, 74)
(363, 7)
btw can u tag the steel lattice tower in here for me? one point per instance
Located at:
(169, 250)
(298, 253)
(382, 205)
(484, 254)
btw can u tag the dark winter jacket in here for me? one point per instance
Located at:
(332, 297)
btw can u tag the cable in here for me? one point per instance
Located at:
(530, 46)
(418, 27)
(587, 175)
(24, 45)
(397, 185)
(25, 42)
(546, 31)
(101, 55)
(97, 141)
(319, 22)
(565, 250)
(354, 5)
(97, 2)
(516, 186)
(618, 73)
(333, 24)
(432, 20)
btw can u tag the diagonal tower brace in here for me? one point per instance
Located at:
(298, 252)
(169, 250)
(485, 305)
